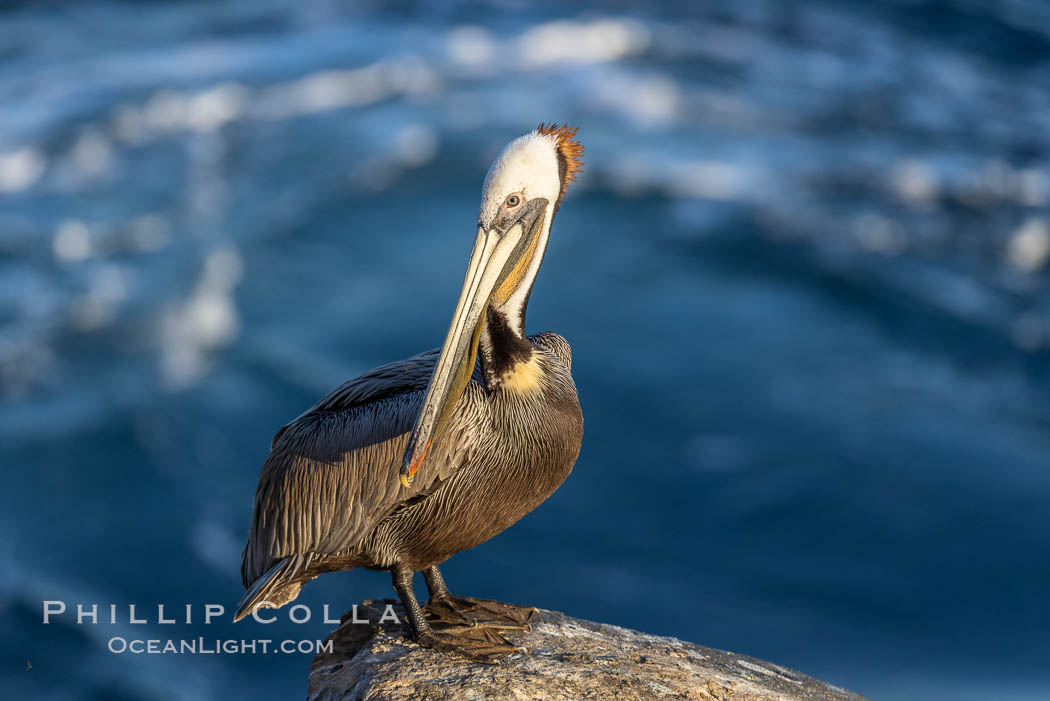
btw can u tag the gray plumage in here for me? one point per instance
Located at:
(329, 496)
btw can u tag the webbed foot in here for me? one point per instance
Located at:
(477, 644)
(468, 611)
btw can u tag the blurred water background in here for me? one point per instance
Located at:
(804, 276)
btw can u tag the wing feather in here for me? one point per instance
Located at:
(333, 473)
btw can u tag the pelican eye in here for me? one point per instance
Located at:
(512, 201)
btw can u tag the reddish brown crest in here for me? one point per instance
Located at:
(570, 152)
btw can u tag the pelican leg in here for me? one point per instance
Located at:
(465, 610)
(436, 584)
(477, 644)
(405, 592)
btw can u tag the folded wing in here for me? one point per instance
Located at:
(332, 474)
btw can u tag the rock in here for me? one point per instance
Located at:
(569, 659)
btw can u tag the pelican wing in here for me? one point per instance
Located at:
(332, 474)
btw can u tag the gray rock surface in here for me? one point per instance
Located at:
(568, 659)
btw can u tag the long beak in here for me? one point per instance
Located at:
(495, 266)
(456, 363)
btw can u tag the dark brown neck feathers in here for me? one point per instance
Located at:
(501, 347)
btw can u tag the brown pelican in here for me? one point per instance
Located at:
(412, 462)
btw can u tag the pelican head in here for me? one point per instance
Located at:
(522, 191)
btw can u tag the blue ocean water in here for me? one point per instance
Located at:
(804, 275)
